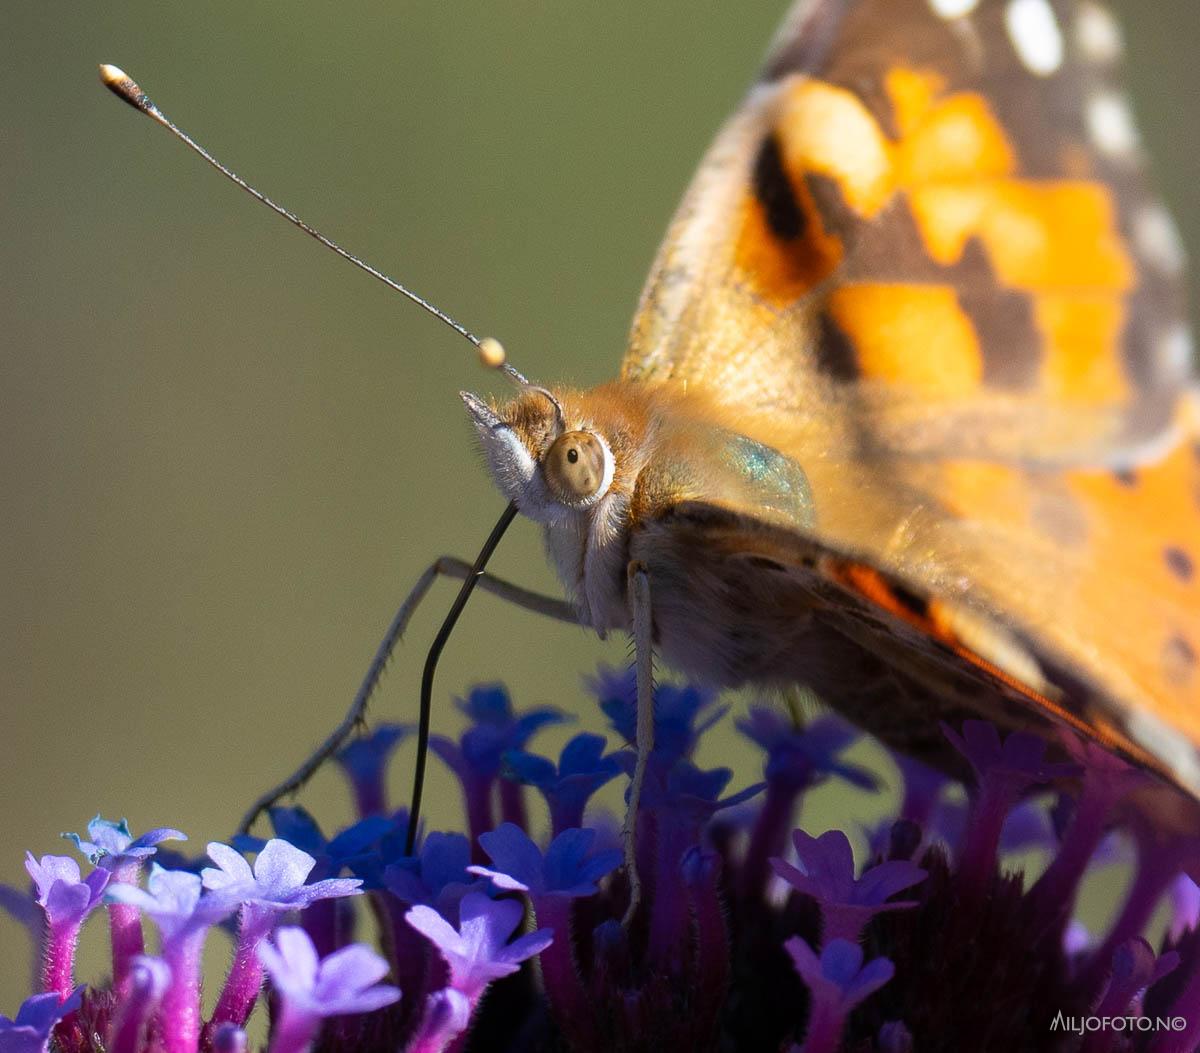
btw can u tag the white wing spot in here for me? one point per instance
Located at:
(953, 8)
(1035, 35)
(1111, 125)
(1175, 351)
(1097, 34)
(1157, 239)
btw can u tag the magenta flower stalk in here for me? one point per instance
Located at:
(174, 902)
(274, 886)
(148, 981)
(310, 989)
(111, 845)
(67, 899)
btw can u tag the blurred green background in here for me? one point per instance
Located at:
(226, 454)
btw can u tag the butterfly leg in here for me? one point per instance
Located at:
(643, 644)
(445, 566)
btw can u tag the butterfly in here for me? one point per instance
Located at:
(907, 412)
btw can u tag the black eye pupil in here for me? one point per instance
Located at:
(572, 455)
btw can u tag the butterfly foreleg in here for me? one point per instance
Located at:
(638, 579)
(444, 566)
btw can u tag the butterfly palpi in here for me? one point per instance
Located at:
(906, 414)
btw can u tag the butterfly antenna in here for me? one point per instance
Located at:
(490, 350)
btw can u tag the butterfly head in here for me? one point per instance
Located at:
(551, 466)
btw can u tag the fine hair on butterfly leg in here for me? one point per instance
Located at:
(444, 566)
(643, 644)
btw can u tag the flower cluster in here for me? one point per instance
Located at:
(750, 934)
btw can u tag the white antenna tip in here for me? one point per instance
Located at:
(125, 87)
(112, 75)
(491, 353)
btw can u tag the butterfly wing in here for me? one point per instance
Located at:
(923, 259)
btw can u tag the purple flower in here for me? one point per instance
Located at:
(311, 989)
(495, 729)
(799, 757)
(568, 868)
(110, 844)
(826, 872)
(30, 1031)
(837, 982)
(277, 879)
(65, 896)
(276, 884)
(478, 951)
(67, 900)
(1004, 771)
(1018, 759)
(344, 982)
(568, 786)
(365, 762)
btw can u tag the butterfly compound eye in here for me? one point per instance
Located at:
(578, 467)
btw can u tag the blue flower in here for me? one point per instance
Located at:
(365, 762)
(582, 769)
(804, 755)
(495, 730)
(437, 877)
(568, 867)
(110, 844)
(681, 713)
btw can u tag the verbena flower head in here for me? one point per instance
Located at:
(750, 932)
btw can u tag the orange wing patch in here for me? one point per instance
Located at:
(953, 168)
(916, 335)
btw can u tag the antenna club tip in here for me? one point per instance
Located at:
(123, 85)
(491, 353)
